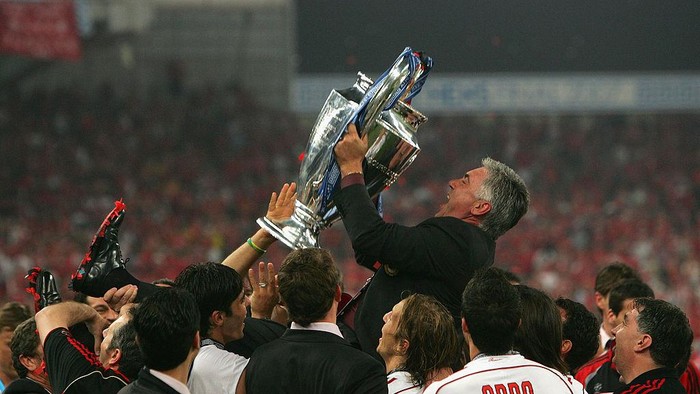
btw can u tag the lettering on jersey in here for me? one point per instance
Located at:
(509, 388)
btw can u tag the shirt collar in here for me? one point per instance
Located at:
(319, 326)
(170, 381)
(209, 341)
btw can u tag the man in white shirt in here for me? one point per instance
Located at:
(418, 344)
(167, 331)
(491, 313)
(218, 291)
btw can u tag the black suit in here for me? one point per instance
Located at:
(256, 332)
(437, 257)
(306, 361)
(147, 384)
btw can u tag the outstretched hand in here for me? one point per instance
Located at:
(265, 291)
(281, 205)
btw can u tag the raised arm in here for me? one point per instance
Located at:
(280, 208)
(67, 314)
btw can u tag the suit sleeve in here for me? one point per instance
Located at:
(372, 378)
(410, 249)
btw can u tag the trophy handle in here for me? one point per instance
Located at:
(384, 92)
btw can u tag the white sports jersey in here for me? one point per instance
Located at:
(507, 374)
(576, 385)
(400, 382)
(216, 370)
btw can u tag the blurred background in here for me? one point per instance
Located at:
(193, 112)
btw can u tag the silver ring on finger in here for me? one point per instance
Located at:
(262, 285)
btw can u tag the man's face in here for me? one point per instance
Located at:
(38, 359)
(627, 306)
(462, 194)
(388, 343)
(233, 325)
(99, 305)
(627, 336)
(108, 335)
(6, 354)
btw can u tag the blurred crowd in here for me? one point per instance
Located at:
(197, 170)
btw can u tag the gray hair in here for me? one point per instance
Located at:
(508, 195)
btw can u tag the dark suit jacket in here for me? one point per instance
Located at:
(25, 386)
(305, 361)
(255, 333)
(147, 384)
(437, 257)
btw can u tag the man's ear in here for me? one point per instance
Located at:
(480, 208)
(566, 346)
(31, 363)
(217, 318)
(600, 301)
(338, 293)
(465, 328)
(197, 341)
(403, 346)
(610, 317)
(114, 357)
(643, 343)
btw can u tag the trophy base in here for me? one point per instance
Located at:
(293, 234)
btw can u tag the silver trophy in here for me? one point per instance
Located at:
(392, 148)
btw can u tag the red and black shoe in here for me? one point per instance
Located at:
(103, 256)
(42, 286)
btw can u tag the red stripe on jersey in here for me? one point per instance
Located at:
(647, 387)
(592, 367)
(87, 354)
(690, 379)
(92, 358)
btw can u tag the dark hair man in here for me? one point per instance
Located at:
(218, 292)
(605, 280)
(438, 256)
(579, 333)
(72, 368)
(491, 314)
(600, 374)
(167, 329)
(418, 344)
(652, 341)
(11, 315)
(99, 305)
(539, 336)
(28, 360)
(312, 356)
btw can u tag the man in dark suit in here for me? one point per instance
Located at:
(312, 356)
(167, 330)
(437, 257)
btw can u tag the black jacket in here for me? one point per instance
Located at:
(306, 361)
(437, 257)
(147, 384)
(25, 386)
(661, 380)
